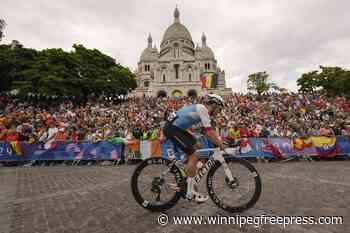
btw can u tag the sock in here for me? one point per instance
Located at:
(190, 186)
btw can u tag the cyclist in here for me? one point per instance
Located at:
(176, 131)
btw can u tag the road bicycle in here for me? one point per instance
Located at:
(233, 183)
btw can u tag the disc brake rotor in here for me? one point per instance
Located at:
(232, 184)
(157, 184)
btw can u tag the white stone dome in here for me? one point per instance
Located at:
(207, 53)
(177, 31)
(149, 54)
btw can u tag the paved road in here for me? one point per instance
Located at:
(98, 199)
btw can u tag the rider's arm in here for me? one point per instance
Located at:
(212, 136)
(209, 132)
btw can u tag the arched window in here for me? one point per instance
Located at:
(176, 50)
(146, 84)
(176, 66)
(208, 66)
(163, 78)
(189, 78)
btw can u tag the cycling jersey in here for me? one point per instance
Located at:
(176, 128)
(191, 115)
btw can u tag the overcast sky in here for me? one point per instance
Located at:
(283, 37)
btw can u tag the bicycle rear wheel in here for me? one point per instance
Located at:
(240, 194)
(155, 184)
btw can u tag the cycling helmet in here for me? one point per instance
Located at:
(214, 99)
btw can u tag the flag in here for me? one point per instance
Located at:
(300, 144)
(16, 147)
(156, 149)
(133, 145)
(204, 81)
(145, 149)
(215, 81)
(325, 146)
(209, 80)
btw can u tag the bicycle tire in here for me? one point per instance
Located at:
(136, 193)
(234, 209)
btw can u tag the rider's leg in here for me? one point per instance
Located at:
(191, 166)
(191, 170)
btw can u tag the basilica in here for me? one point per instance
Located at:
(179, 67)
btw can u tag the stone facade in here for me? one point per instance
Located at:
(176, 69)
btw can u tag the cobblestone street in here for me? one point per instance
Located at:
(98, 199)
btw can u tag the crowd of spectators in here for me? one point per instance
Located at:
(246, 115)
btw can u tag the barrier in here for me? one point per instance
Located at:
(249, 147)
(280, 148)
(103, 150)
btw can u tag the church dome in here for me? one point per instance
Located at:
(177, 30)
(207, 53)
(149, 54)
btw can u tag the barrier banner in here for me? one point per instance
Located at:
(62, 151)
(279, 148)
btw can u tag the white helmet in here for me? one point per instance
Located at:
(214, 98)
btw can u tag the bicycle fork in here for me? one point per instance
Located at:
(219, 157)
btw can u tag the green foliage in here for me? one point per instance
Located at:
(332, 80)
(259, 82)
(56, 72)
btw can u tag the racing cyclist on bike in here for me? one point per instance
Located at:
(176, 131)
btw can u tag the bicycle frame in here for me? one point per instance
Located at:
(217, 156)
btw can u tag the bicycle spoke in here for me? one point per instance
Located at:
(236, 193)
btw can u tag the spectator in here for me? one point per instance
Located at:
(246, 115)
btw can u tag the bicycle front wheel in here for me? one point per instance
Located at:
(237, 195)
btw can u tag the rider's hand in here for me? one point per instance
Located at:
(223, 148)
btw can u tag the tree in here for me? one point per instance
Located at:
(57, 72)
(2, 27)
(12, 63)
(332, 80)
(259, 82)
(309, 82)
